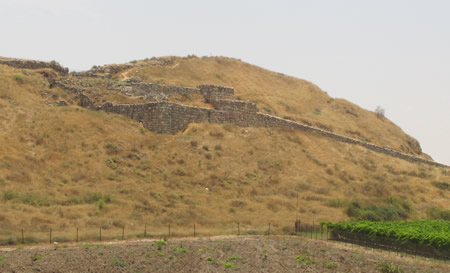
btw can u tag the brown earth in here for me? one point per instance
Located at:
(213, 254)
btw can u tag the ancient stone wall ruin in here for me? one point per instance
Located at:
(161, 92)
(169, 118)
(28, 64)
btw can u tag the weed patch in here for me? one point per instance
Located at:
(119, 262)
(302, 259)
(441, 185)
(230, 265)
(387, 267)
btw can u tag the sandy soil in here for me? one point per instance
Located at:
(215, 254)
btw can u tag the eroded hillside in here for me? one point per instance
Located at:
(62, 165)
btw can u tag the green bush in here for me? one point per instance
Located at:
(395, 209)
(436, 213)
(441, 185)
(387, 267)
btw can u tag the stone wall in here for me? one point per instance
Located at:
(153, 91)
(161, 92)
(214, 92)
(170, 118)
(244, 107)
(28, 64)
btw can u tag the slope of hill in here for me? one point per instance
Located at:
(63, 166)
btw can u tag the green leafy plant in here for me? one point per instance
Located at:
(422, 232)
(387, 267)
(160, 243)
(37, 257)
(210, 259)
(302, 259)
(180, 250)
(329, 265)
(2, 259)
(18, 78)
(119, 262)
(230, 265)
(233, 258)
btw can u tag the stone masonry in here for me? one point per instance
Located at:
(169, 118)
(28, 64)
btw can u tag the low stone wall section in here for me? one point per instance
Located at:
(153, 91)
(215, 93)
(244, 107)
(29, 64)
(161, 92)
(170, 118)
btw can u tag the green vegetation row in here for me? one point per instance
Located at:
(434, 233)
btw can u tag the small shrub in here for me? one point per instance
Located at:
(180, 249)
(441, 185)
(194, 143)
(329, 265)
(2, 259)
(9, 195)
(379, 111)
(119, 262)
(302, 259)
(394, 209)
(160, 243)
(387, 267)
(37, 257)
(205, 147)
(112, 148)
(179, 172)
(233, 258)
(436, 213)
(229, 265)
(210, 259)
(18, 78)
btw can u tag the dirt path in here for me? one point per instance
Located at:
(215, 254)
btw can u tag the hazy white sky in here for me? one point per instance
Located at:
(390, 53)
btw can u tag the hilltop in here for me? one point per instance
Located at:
(63, 165)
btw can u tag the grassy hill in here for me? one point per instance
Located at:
(66, 166)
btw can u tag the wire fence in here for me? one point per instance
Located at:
(312, 231)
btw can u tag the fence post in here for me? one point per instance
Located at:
(268, 232)
(239, 230)
(100, 233)
(77, 234)
(169, 230)
(145, 231)
(194, 230)
(315, 231)
(50, 236)
(123, 232)
(311, 230)
(23, 239)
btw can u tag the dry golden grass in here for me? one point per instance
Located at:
(62, 167)
(279, 95)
